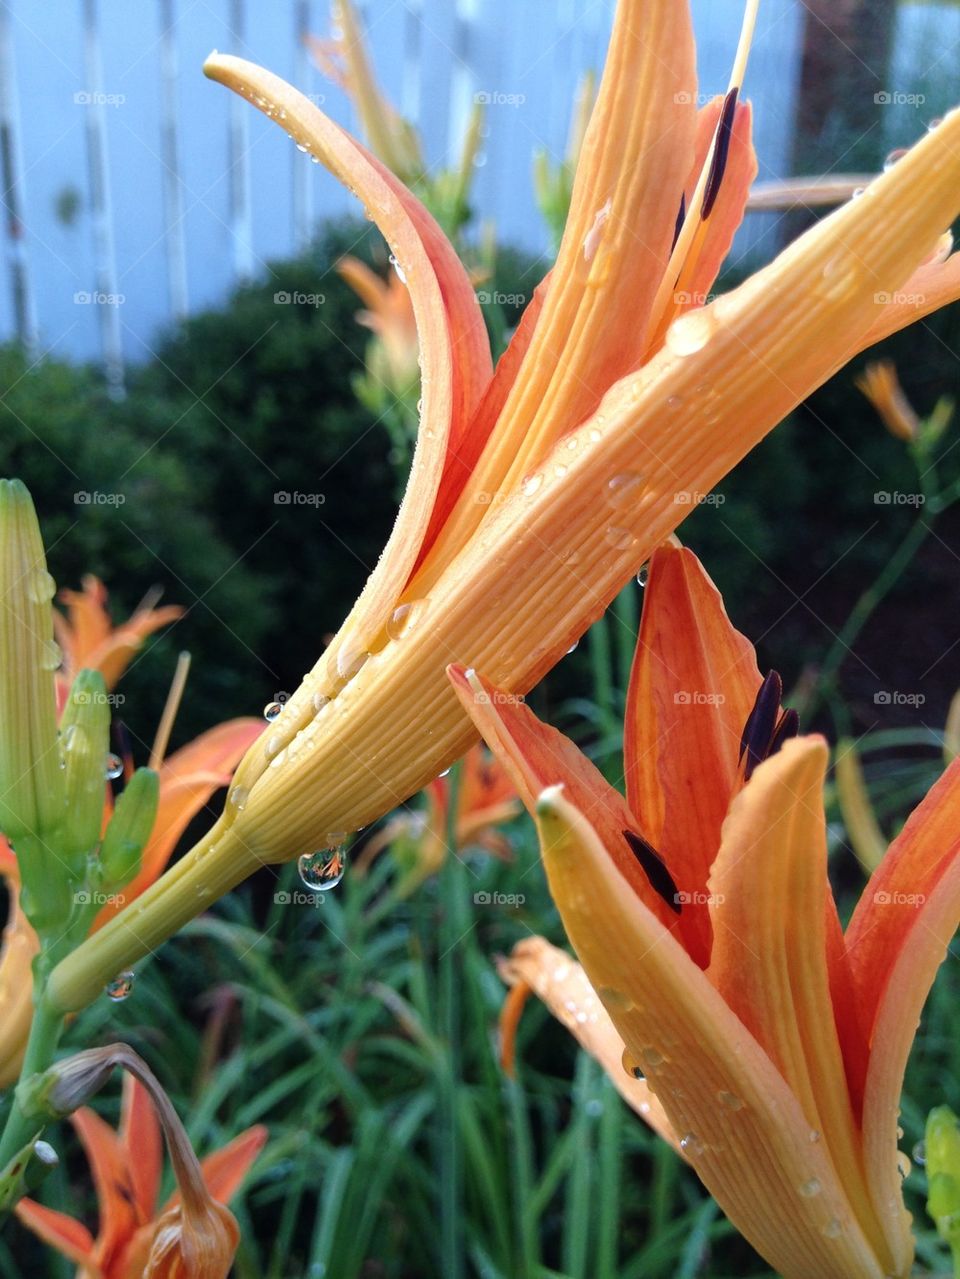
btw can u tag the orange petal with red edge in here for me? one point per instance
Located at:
(69, 1237)
(741, 1127)
(143, 1144)
(537, 756)
(693, 684)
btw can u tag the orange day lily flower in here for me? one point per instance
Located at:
(485, 799)
(536, 491)
(89, 640)
(389, 316)
(126, 1167)
(765, 1042)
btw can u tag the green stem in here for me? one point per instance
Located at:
(45, 1031)
(450, 1153)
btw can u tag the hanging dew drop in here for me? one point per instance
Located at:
(271, 711)
(904, 1166)
(631, 1065)
(530, 485)
(643, 575)
(404, 617)
(810, 1188)
(920, 1154)
(322, 869)
(42, 587)
(893, 158)
(120, 987)
(51, 656)
(113, 767)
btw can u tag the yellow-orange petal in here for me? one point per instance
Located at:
(771, 907)
(635, 159)
(693, 684)
(741, 1127)
(538, 756)
(87, 623)
(455, 358)
(888, 909)
(909, 978)
(563, 986)
(20, 945)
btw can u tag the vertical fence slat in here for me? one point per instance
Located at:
(105, 268)
(14, 194)
(176, 250)
(241, 215)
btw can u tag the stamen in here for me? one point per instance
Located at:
(174, 697)
(767, 727)
(721, 150)
(681, 217)
(655, 869)
(789, 726)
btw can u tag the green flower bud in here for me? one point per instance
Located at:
(84, 739)
(31, 781)
(129, 829)
(942, 1158)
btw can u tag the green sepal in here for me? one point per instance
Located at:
(84, 739)
(131, 825)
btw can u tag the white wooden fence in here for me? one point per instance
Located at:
(136, 191)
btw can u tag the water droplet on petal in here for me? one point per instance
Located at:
(323, 869)
(833, 1229)
(319, 701)
(730, 1100)
(691, 331)
(401, 276)
(621, 539)
(238, 797)
(904, 1166)
(403, 617)
(920, 1153)
(271, 711)
(572, 647)
(935, 123)
(530, 485)
(691, 1144)
(113, 767)
(810, 1188)
(814, 1135)
(120, 987)
(652, 1058)
(301, 146)
(51, 656)
(674, 402)
(623, 489)
(42, 587)
(643, 574)
(272, 745)
(349, 662)
(894, 156)
(631, 1065)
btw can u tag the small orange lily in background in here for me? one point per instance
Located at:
(89, 640)
(766, 1043)
(188, 778)
(127, 1166)
(537, 491)
(485, 799)
(389, 317)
